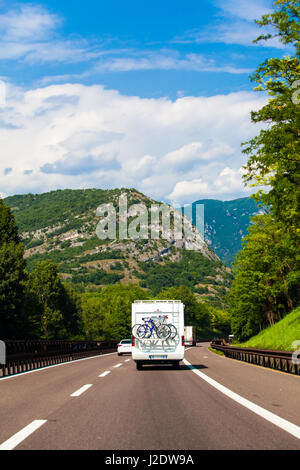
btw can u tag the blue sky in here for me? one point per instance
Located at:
(152, 49)
(154, 95)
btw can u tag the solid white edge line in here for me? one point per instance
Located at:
(17, 438)
(104, 373)
(262, 412)
(13, 376)
(81, 390)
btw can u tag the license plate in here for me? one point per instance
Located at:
(158, 357)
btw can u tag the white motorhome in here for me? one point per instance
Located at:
(157, 332)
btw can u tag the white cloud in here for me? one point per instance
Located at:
(27, 23)
(227, 182)
(229, 179)
(194, 152)
(87, 136)
(235, 25)
(31, 33)
(190, 189)
(165, 60)
(244, 9)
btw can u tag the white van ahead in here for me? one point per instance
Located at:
(157, 332)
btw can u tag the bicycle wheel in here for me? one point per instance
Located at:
(173, 330)
(144, 332)
(134, 330)
(163, 331)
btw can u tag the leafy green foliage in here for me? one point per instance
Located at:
(12, 276)
(107, 315)
(195, 313)
(192, 269)
(266, 279)
(33, 211)
(220, 321)
(267, 270)
(58, 312)
(97, 277)
(8, 227)
(274, 155)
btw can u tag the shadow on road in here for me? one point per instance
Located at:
(194, 366)
(151, 367)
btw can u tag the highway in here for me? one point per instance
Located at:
(105, 403)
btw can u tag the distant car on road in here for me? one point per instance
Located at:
(125, 347)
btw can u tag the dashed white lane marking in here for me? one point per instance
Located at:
(118, 365)
(81, 390)
(17, 438)
(104, 373)
(13, 376)
(126, 360)
(271, 417)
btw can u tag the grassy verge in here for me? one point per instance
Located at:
(220, 353)
(280, 336)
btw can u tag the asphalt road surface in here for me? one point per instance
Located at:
(105, 403)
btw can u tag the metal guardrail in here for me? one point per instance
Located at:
(279, 360)
(22, 356)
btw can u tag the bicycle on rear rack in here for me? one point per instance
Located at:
(150, 327)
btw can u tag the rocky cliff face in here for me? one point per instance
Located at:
(64, 226)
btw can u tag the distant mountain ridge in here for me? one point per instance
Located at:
(61, 226)
(226, 224)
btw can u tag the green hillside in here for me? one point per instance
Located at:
(279, 336)
(38, 211)
(61, 226)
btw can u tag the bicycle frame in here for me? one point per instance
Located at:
(151, 325)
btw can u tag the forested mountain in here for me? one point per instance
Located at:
(61, 226)
(226, 224)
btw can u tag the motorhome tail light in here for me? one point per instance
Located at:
(133, 341)
(182, 340)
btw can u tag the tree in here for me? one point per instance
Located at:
(58, 314)
(45, 285)
(195, 313)
(220, 320)
(117, 301)
(274, 155)
(92, 316)
(8, 227)
(12, 276)
(107, 315)
(266, 282)
(72, 312)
